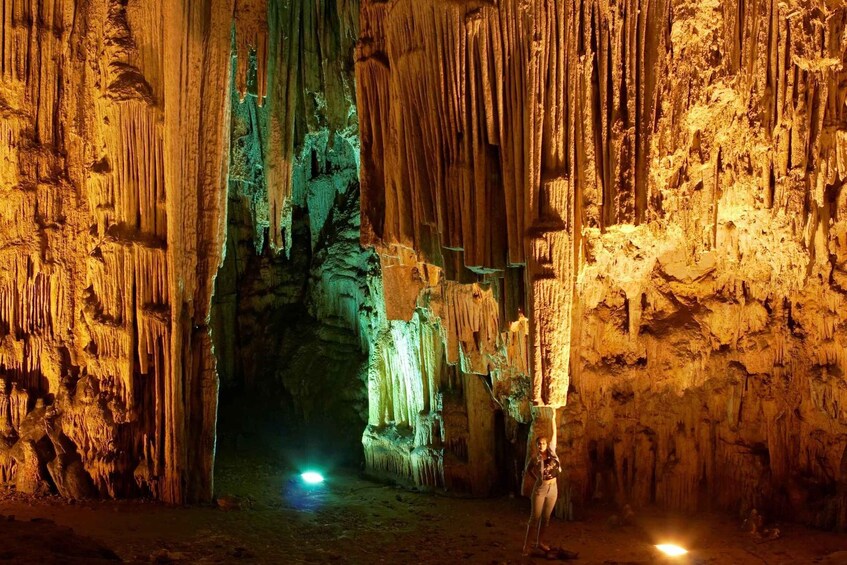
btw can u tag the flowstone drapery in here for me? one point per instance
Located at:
(113, 159)
(627, 220)
(658, 188)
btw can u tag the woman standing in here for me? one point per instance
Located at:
(544, 467)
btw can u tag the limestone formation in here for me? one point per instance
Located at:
(114, 132)
(293, 288)
(619, 224)
(6, 429)
(18, 406)
(658, 188)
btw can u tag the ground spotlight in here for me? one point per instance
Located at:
(312, 477)
(671, 550)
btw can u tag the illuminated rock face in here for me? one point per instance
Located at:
(114, 126)
(291, 294)
(658, 188)
(622, 223)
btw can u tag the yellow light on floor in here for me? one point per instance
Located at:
(671, 550)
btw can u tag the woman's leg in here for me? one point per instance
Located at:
(537, 499)
(549, 503)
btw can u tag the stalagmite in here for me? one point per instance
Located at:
(18, 400)
(6, 428)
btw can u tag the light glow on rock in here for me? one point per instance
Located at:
(312, 477)
(671, 550)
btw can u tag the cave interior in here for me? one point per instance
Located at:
(403, 239)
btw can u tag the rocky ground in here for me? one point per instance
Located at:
(267, 516)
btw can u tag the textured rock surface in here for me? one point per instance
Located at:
(658, 187)
(114, 128)
(289, 296)
(116, 124)
(623, 225)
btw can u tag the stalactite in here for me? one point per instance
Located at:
(112, 229)
(251, 31)
(284, 22)
(669, 178)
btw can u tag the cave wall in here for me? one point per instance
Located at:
(122, 198)
(633, 212)
(291, 346)
(115, 132)
(620, 223)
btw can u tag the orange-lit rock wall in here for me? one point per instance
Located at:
(114, 136)
(633, 213)
(655, 190)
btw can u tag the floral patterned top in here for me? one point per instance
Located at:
(546, 469)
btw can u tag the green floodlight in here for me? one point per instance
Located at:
(312, 478)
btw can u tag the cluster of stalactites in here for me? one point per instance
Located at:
(466, 113)
(113, 226)
(302, 52)
(430, 404)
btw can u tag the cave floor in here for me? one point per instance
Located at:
(272, 519)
